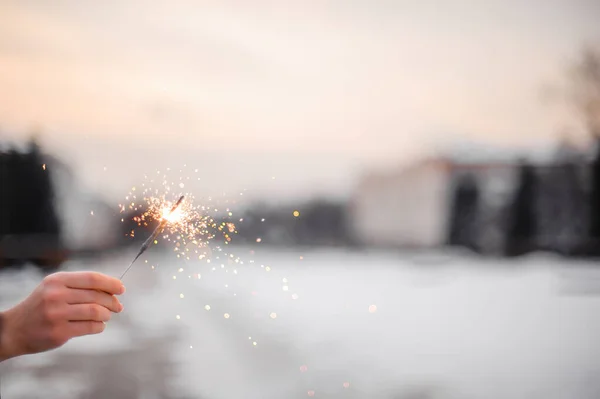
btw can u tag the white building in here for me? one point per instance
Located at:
(407, 208)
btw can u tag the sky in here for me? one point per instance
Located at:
(311, 92)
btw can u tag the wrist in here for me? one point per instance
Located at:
(8, 349)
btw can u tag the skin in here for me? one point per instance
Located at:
(65, 305)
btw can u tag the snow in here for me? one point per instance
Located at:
(445, 325)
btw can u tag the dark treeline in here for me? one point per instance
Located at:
(552, 208)
(318, 222)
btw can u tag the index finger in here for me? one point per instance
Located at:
(94, 281)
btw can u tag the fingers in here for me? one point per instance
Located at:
(88, 312)
(92, 281)
(78, 296)
(80, 328)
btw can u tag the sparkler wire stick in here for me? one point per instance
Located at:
(155, 234)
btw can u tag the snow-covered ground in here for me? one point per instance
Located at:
(329, 324)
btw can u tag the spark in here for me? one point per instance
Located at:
(187, 227)
(155, 234)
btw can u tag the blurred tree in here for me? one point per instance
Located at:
(594, 226)
(43, 216)
(27, 207)
(584, 90)
(322, 222)
(522, 227)
(463, 213)
(585, 95)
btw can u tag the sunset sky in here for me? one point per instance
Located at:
(308, 91)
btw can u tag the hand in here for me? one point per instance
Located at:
(63, 306)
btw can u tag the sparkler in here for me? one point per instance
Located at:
(155, 234)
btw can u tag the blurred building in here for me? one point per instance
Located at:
(461, 197)
(403, 208)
